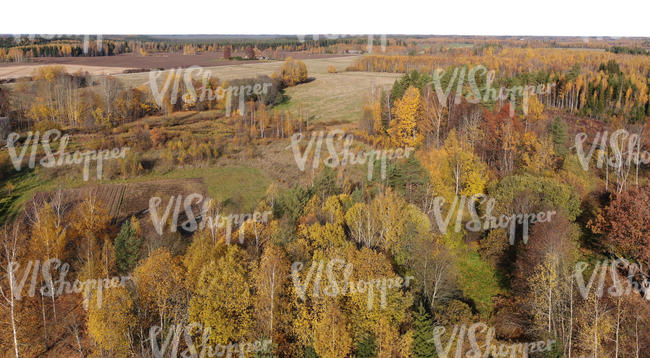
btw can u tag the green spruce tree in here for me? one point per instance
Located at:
(422, 344)
(366, 348)
(558, 132)
(127, 246)
(309, 352)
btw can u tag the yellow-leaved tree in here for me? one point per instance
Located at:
(159, 281)
(110, 324)
(534, 109)
(381, 312)
(90, 220)
(455, 170)
(272, 293)
(407, 111)
(293, 72)
(222, 298)
(202, 250)
(536, 154)
(49, 236)
(331, 336)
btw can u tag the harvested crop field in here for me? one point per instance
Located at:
(131, 60)
(129, 199)
(250, 69)
(101, 65)
(162, 60)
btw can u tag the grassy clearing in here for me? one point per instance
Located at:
(238, 187)
(478, 281)
(28, 182)
(336, 96)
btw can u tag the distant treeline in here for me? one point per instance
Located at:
(19, 49)
(628, 50)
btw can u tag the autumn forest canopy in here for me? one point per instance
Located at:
(324, 196)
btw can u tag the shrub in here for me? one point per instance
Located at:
(158, 136)
(293, 72)
(131, 165)
(45, 125)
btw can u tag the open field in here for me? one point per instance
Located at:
(336, 96)
(329, 96)
(26, 70)
(109, 65)
(239, 188)
(131, 60)
(248, 69)
(160, 60)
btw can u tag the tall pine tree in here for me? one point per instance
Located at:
(127, 246)
(422, 345)
(558, 132)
